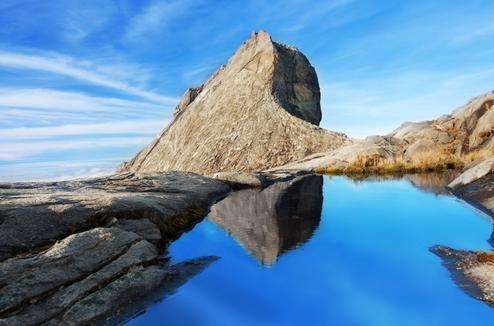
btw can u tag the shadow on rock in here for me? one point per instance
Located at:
(273, 220)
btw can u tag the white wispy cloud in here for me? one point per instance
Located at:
(58, 170)
(156, 17)
(49, 99)
(77, 69)
(16, 150)
(367, 106)
(303, 16)
(86, 17)
(146, 127)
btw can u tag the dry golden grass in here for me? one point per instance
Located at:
(425, 162)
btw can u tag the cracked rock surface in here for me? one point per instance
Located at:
(90, 251)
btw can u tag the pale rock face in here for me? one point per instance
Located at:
(474, 173)
(468, 128)
(378, 147)
(259, 111)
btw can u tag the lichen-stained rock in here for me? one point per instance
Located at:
(259, 111)
(33, 215)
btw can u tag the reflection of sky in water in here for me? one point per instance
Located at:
(367, 263)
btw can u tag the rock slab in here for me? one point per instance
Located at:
(89, 252)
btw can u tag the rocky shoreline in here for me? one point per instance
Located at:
(92, 251)
(473, 271)
(72, 250)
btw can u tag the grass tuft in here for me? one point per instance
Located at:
(424, 162)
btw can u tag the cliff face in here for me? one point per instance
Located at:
(258, 111)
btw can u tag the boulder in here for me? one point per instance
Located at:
(469, 128)
(473, 173)
(476, 186)
(259, 111)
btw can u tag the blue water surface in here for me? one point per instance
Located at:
(366, 262)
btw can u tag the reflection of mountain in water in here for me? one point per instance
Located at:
(433, 182)
(274, 220)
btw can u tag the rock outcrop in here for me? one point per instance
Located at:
(469, 128)
(90, 251)
(259, 111)
(473, 271)
(467, 131)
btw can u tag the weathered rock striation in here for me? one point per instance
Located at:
(90, 251)
(259, 111)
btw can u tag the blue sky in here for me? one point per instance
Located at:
(85, 84)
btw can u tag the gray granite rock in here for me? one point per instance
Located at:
(33, 215)
(476, 172)
(88, 251)
(258, 111)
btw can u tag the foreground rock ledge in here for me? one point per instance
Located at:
(89, 252)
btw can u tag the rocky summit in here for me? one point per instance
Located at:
(259, 111)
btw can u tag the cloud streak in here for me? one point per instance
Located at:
(155, 17)
(16, 150)
(70, 67)
(143, 127)
(49, 99)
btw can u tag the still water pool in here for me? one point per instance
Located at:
(328, 251)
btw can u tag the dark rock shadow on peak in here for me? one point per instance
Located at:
(274, 220)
